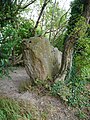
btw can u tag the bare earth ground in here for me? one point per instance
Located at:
(42, 107)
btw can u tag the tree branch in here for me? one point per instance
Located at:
(41, 12)
(59, 29)
(28, 4)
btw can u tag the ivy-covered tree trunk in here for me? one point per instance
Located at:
(69, 44)
(67, 57)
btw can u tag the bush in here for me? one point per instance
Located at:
(8, 40)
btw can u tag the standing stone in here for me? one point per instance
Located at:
(41, 60)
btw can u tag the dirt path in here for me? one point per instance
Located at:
(43, 107)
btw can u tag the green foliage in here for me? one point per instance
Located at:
(59, 42)
(80, 95)
(76, 13)
(8, 13)
(54, 20)
(81, 115)
(26, 29)
(8, 40)
(82, 57)
(61, 89)
(38, 31)
(11, 110)
(74, 93)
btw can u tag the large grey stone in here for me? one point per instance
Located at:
(41, 60)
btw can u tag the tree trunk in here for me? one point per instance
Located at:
(66, 58)
(69, 47)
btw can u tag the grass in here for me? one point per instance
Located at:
(12, 110)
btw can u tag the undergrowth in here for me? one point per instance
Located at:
(39, 86)
(75, 93)
(12, 110)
